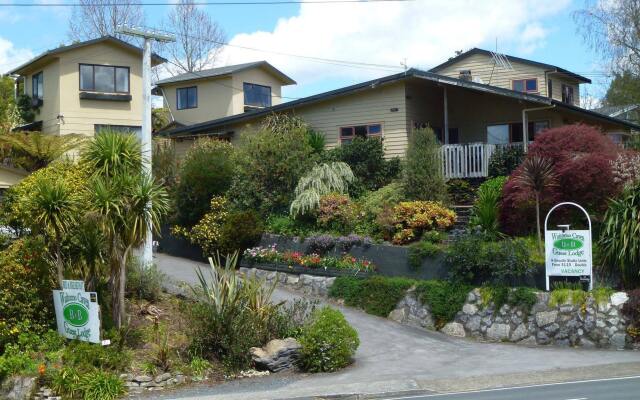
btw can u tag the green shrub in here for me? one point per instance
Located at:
(522, 297)
(376, 295)
(620, 236)
(316, 141)
(422, 176)
(269, 165)
(144, 282)
(473, 259)
(504, 160)
(460, 191)
(206, 171)
(85, 356)
(25, 291)
(100, 385)
(486, 207)
(366, 159)
(15, 361)
(562, 295)
(65, 381)
(322, 180)
(287, 226)
(444, 298)
(421, 250)
(328, 342)
(241, 230)
(199, 367)
(337, 213)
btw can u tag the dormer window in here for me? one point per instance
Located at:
(104, 78)
(256, 96)
(525, 85)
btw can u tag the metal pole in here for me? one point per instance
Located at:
(145, 139)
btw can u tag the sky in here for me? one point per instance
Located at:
(418, 33)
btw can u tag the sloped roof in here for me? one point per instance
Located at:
(228, 70)
(476, 50)
(614, 111)
(155, 59)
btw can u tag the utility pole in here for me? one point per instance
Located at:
(145, 133)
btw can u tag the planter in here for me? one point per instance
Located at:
(389, 260)
(300, 270)
(178, 247)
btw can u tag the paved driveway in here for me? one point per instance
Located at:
(393, 357)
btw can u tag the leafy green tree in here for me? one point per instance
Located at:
(623, 90)
(36, 150)
(321, 180)
(9, 116)
(423, 178)
(125, 201)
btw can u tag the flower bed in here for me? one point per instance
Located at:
(270, 255)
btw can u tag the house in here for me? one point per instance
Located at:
(196, 97)
(629, 112)
(84, 87)
(471, 112)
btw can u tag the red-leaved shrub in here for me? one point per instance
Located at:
(581, 157)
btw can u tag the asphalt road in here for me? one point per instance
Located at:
(604, 389)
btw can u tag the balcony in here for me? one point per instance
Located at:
(469, 160)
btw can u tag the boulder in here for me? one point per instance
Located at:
(277, 355)
(519, 333)
(545, 318)
(453, 329)
(498, 332)
(469, 309)
(18, 388)
(619, 298)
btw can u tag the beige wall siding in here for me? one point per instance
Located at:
(214, 100)
(556, 90)
(48, 112)
(80, 116)
(219, 97)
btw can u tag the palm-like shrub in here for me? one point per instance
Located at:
(39, 150)
(323, 179)
(537, 175)
(316, 140)
(620, 236)
(422, 178)
(485, 209)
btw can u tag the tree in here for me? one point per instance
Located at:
(119, 195)
(9, 116)
(39, 150)
(199, 39)
(92, 19)
(537, 175)
(613, 29)
(623, 90)
(422, 176)
(323, 179)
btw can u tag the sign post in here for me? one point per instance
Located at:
(568, 252)
(77, 312)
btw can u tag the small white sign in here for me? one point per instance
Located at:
(568, 252)
(77, 312)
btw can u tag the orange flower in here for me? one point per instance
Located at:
(42, 369)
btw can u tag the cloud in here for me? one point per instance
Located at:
(425, 32)
(11, 57)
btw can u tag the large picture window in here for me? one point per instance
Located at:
(348, 133)
(187, 97)
(104, 78)
(256, 96)
(513, 133)
(37, 86)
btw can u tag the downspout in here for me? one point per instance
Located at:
(525, 125)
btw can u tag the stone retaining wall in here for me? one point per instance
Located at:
(307, 284)
(586, 325)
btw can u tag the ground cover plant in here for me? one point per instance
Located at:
(257, 255)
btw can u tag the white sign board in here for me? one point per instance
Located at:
(77, 312)
(568, 252)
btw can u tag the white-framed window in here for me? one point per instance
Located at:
(187, 97)
(525, 85)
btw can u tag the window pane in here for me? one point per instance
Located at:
(122, 80)
(375, 129)
(532, 85)
(104, 79)
(518, 86)
(192, 97)
(498, 134)
(361, 130)
(346, 132)
(256, 95)
(86, 77)
(540, 126)
(40, 85)
(517, 133)
(182, 98)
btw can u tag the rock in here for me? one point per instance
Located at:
(471, 297)
(473, 324)
(277, 355)
(293, 280)
(469, 309)
(604, 307)
(566, 309)
(498, 332)
(545, 318)
(126, 377)
(180, 379)
(600, 323)
(530, 341)
(18, 388)
(453, 329)
(552, 328)
(162, 377)
(519, 333)
(542, 338)
(143, 378)
(619, 298)
(587, 344)
(618, 341)
(397, 315)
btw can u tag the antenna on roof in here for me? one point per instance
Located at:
(500, 59)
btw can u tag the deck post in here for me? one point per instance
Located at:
(525, 131)
(445, 135)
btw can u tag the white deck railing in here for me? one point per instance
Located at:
(470, 160)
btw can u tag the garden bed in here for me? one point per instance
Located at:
(300, 270)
